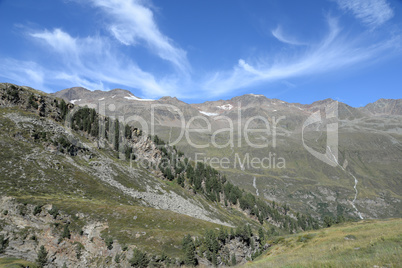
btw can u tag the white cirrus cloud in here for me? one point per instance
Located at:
(278, 34)
(58, 40)
(371, 12)
(26, 73)
(332, 53)
(96, 62)
(90, 62)
(131, 22)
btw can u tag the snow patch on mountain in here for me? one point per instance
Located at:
(208, 114)
(256, 95)
(226, 107)
(132, 97)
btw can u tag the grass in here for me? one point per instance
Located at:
(15, 263)
(358, 244)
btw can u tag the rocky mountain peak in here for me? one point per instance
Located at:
(248, 99)
(73, 93)
(385, 106)
(172, 101)
(322, 102)
(120, 92)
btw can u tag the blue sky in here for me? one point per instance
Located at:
(297, 51)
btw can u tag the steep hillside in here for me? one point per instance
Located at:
(369, 243)
(93, 190)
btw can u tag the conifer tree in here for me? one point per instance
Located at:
(66, 232)
(189, 251)
(234, 262)
(116, 135)
(261, 235)
(42, 256)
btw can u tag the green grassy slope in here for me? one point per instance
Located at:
(369, 243)
(34, 175)
(15, 263)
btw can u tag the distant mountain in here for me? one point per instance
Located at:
(363, 182)
(384, 107)
(78, 94)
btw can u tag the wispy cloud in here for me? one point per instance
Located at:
(335, 51)
(58, 40)
(96, 62)
(132, 23)
(24, 72)
(92, 61)
(371, 12)
(278, 34)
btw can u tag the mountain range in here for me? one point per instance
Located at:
(364, 181)
(95, 178)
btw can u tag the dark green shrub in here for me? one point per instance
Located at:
(32, 102)
(328, 221)
(63, 109)
(78, 249)
(37, 210)
(13, 95)
(54, 212)
(3, 243)
(139, 259)
(233, 261)
(66, 232)
(41, 260)
(117, 258)
(109, 242)
(305, 238)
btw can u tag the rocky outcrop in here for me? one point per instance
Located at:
(27, 230)
(238, 248)
(27, 227)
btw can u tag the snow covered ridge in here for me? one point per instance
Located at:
(209, 114)
(132, 97)
(73, 101)
(226, 107)
(255, 95)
